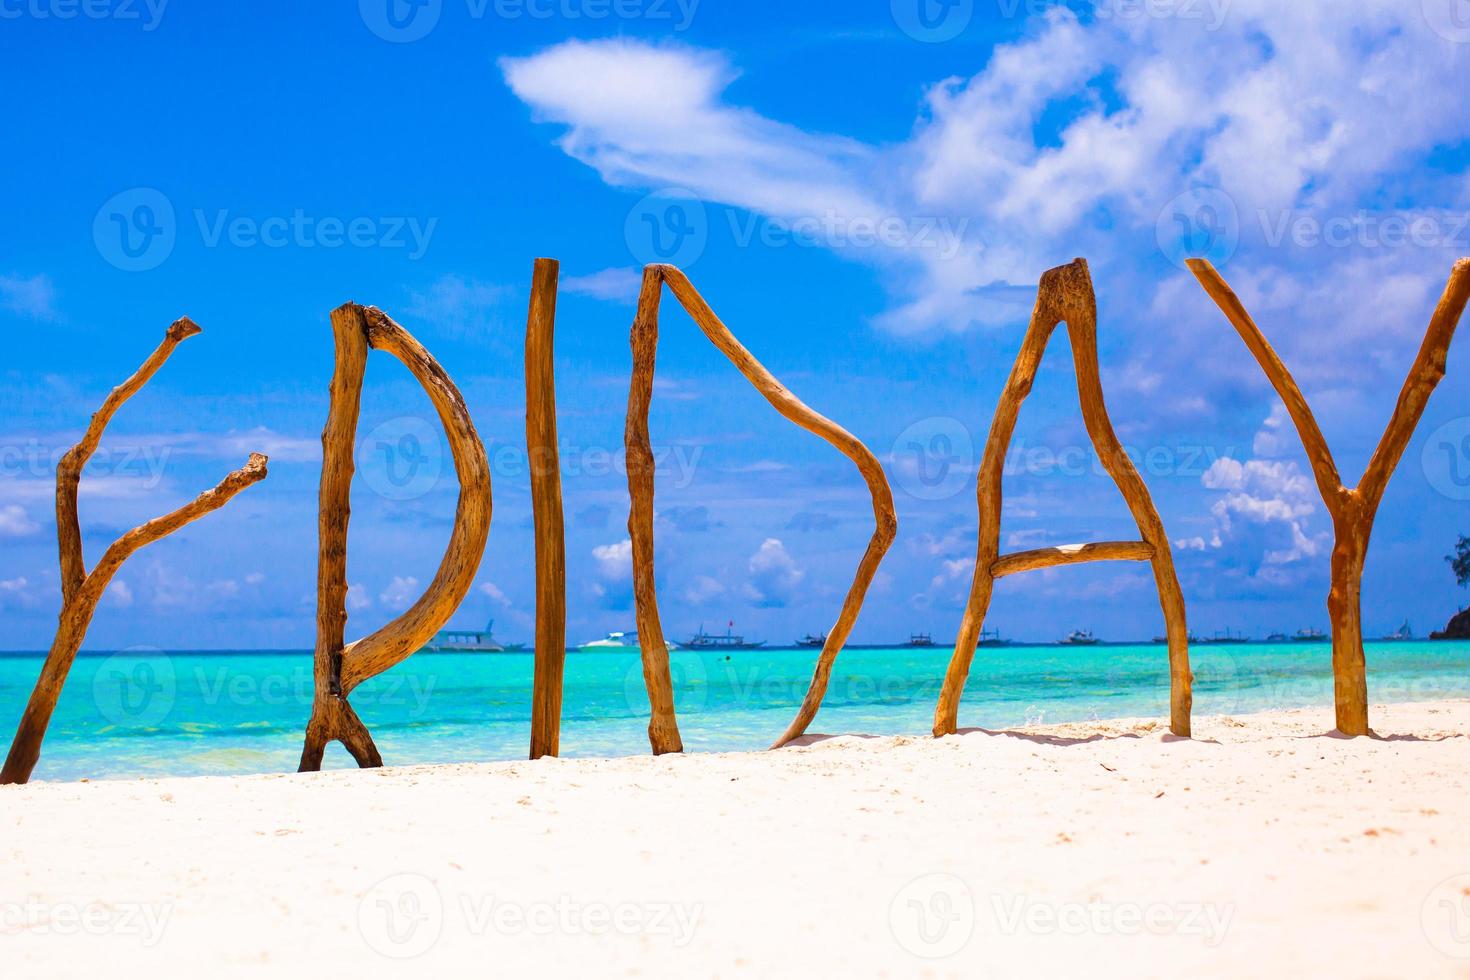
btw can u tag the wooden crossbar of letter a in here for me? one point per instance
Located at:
(1065, 294)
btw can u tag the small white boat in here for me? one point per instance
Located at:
(1404, 632)
(1080, 638)
(620, 641)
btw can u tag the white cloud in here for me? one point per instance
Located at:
(16, 523)
(1069, 140)
(34, 297)
(358, 598)
(496, 596)
(614, 586)
(614, 285)
(774, 575)
(953, 570)
(654, 117)
(223, 589)
(1262, 520)
(119, 594)
(170, 589)
(615, 561)
(255, 578)
(400, 593)
(280, 448)
(1277, 436)
(703, 589)
(15, 593)
(458, 306)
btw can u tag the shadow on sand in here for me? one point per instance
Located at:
(1034, 737)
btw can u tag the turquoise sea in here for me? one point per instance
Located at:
(147, 713)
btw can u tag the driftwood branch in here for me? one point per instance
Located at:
(1425, 375)
(645, 342)
(80, 595)
(546, 505)
(1324, 467)
(69, 470)
(338, 668)
(1353, 511)
(1071, 554)
(1065, 295)
(663, 727)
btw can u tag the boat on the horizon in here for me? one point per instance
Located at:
(1080, 638)
(620, 641)
(1404, 632)
(920, 640)
(1309, 636)
(1277, 638)
(1220, 636)
(729, 640)
(470, 641)
(992, 638)
(812, 640)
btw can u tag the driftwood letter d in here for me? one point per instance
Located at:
(338, 668)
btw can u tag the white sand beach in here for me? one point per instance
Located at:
(1260, 847)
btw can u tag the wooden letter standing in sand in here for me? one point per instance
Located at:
(1065, 294)
(339, 669)
(663, 728)
(1352, 510)
(546, 508)
(82, 590)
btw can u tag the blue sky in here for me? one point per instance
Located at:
(866, 196)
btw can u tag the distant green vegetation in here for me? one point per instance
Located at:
(1460, 561)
